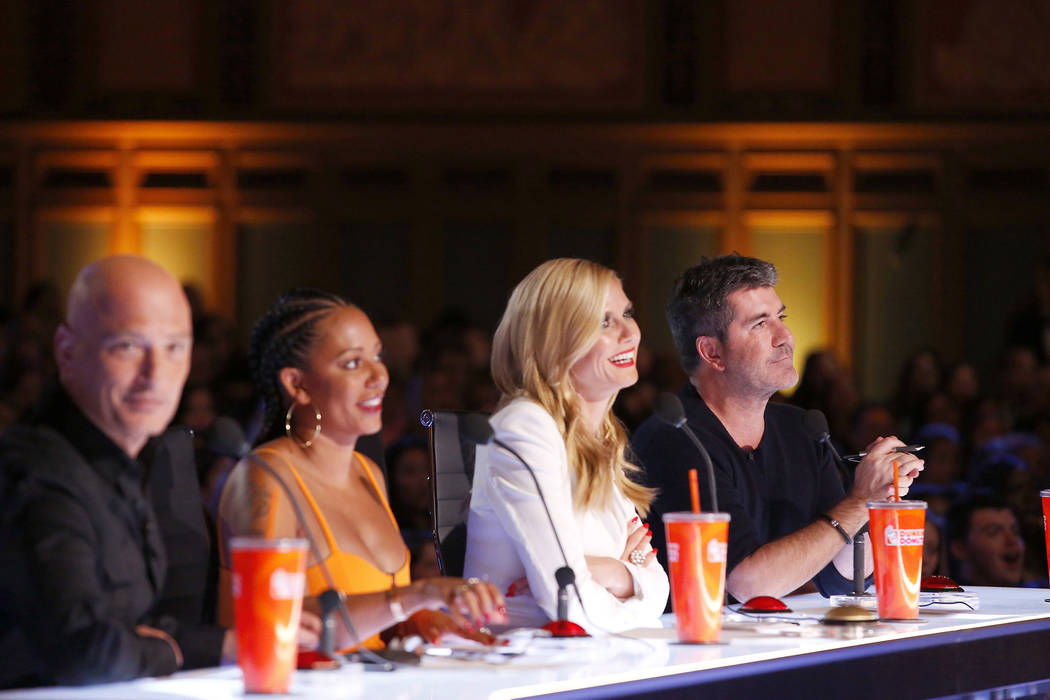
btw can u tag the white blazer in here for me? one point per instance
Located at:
(508, 535)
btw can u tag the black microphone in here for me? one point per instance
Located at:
(226, 438)
(816, 424)
(476, 428)
(669, 409)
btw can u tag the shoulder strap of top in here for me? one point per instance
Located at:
(375, 485)
(329, 537)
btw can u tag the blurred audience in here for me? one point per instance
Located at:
(984, 543)
(408, 484)
(827, 386)
(983, 434)
(918, 380)
(933, 556)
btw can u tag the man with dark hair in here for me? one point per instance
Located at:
(985, 544)
(791, 520)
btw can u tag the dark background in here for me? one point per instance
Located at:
(890, 155)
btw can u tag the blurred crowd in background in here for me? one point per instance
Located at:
(985, 437)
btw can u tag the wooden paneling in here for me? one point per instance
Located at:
(270, 203)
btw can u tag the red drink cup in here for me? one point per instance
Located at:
(268, 583)
(897, 529)
(1046, 519)
(696, 556)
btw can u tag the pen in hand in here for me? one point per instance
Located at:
(904, 448)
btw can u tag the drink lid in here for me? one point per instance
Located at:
(909, 505)
(281, 544)
(689, 516)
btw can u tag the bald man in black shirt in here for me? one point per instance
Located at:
(87, 594)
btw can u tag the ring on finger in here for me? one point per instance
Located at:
(637, 557)
(473, 581)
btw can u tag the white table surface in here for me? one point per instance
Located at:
(552, 665)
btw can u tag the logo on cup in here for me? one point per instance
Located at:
(286, 585)
(716, 551)
(903, 538)
(236, 585)
(672, 552)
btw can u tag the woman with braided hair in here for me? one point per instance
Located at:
(316, 360)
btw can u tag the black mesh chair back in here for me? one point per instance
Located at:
(451, 477)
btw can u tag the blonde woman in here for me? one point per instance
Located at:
(566, 345)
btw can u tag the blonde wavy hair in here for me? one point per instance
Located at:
(553, 318)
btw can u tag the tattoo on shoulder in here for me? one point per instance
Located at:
(260, 503)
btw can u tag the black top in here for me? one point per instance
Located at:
(773, 491)
(189, 593)
(82, 557)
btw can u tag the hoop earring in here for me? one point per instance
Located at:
(292, 435)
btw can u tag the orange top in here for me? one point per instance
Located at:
(350, 573)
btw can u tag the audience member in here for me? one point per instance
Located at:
(870, 422)
(942, 480)
(919, 379)
(826, 386)
(984, 542)
(933, 556)
(411, 498)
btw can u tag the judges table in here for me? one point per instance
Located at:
(947, 651)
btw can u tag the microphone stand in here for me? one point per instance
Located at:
(858, 596)
(477, 429)
(565, 576)
(858, 563)
(669, 409)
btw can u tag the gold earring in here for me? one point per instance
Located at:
(288, 426)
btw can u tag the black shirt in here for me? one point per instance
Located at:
(188, 595)
(82, 556)
(777, 489)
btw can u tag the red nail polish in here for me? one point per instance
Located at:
(635, 519)
(502, 610)
(655, 550)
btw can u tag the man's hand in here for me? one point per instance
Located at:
(145, 631)
(873, 480)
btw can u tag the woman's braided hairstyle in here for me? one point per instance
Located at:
(282, 338)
